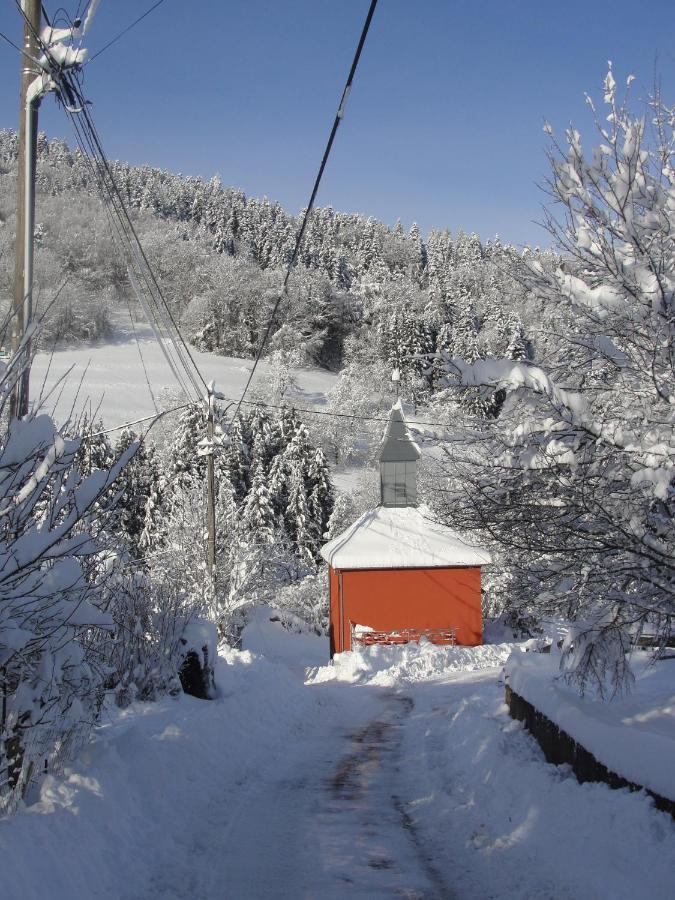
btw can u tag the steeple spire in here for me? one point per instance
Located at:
(398, 457)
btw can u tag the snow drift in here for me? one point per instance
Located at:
(408, 663)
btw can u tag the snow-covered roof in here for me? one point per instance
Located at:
(400, 538)
(397, 444)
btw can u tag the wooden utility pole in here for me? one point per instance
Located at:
(25, 205)
(210, 493)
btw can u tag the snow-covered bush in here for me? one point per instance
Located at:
(307, 599)
(147, 644)
(363, 390)
(52, 621)
(575, 476)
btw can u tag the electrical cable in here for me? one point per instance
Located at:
(139, 246)
(308, 211)
(153, 418)
(85, 128)
(334, 415)
(297, 409)
(140, 355)
(123, 237)
(124, 31)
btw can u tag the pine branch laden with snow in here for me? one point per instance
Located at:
(576, 473)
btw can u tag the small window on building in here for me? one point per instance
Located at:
(399, 487)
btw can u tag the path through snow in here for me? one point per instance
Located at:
(326, 822)
(402, 786)
(332, 826)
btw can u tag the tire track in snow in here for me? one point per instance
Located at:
(365, 782)
(327, 822)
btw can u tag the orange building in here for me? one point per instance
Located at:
(396, 574)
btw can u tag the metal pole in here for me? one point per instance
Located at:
(25, 208)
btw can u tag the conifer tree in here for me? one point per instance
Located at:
(517, 347)
(320, 498)
(136, 485)
(298, 517)
(236, 458)
(95, 450)
(258, 516)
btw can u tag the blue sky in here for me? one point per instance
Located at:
(443, 127)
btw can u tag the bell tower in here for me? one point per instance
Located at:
(398, 456)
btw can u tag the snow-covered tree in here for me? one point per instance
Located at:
(138, 485)
(576, 474)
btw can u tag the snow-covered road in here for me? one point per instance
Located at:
(329, 823)
(397, 784)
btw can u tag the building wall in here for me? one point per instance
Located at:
(334, 630)
(392, 599)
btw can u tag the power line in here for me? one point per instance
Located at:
(297, 409)
(69, 93)
(334, 415)
(136, 241)
(19, 49)
(124, 31)
(92, 149)
(146, 262)
(140, 354)
(87, 135)
(336, 124)
(153, 418)
(117, 224)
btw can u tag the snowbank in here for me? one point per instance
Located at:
(509, 825)
(408, 663)
(157, 778)
(283, 638)
(634, 735)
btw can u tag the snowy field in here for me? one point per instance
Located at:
(391, 774)
(110, 378)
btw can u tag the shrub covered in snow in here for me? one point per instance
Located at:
(53, 624)
(151, 615)
(307, 599)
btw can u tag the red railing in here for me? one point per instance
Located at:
(443, 636)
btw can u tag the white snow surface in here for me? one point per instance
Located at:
(388, 666)
(400, 538)
(108, 379)
(294, 787)
(201, 635)
(633, 735)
